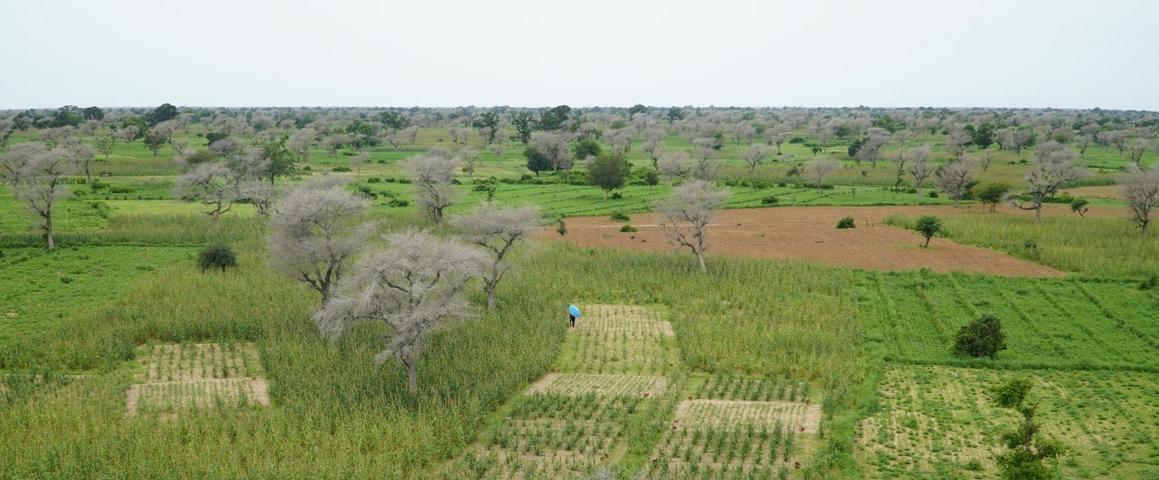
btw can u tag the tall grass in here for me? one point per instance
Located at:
(1103, 247)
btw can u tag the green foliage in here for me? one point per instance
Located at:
(553, 118)
(628, 228)
(928, 226)
(1026, 450)
(1079, 206)
(536, 161)
(770, 200)
(981, 136)
(585, 148)
(619, 216)
(846, 222)
(651, 178)
(523, 123)
(990, 193)
(981, 338)
(163, 113)
(217, 257)
(393, 119)
(608, 172)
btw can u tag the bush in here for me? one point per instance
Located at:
(397, 202)
(627, 228)
(374, 180)
(617, 196)
(932, 194)
(218, 257)
(928, 227)
(769, 200)
(1149, 284)
(619, 216)
(340, 169)
(846, 222)
(981, 338)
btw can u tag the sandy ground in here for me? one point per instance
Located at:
(810, 233)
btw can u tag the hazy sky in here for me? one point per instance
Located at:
(1010, 53)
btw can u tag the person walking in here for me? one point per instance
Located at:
(573, 312)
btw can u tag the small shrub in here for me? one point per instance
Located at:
(628, 228)
(340, 169)
(619, 217)
(218, 257)
(65, 279)
(617, 196)
(846, 222)
(981, 338)
(769, 200)
(397, 202)
(932, 194)
(374, 180)
(1149, 284)
(928, 227)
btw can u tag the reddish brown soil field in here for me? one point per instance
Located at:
(810, 233)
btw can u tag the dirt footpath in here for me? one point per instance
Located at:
(810, 233)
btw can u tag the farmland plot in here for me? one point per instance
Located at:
(1048, 322)
(620, 339)
(175, 378)
(938, 422)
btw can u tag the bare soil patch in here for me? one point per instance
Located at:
(810, 233)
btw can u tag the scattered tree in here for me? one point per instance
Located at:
(1053, 167)
(991, 194)
(954, 179)
(981, 338)
(688, 212)
(432, 175)
(35, 174)
(920, 167)
(754, 155)
(1027, 451)
(608, 172)
(1141, 190)
(1079, 206)
(216, 257)
(928, 227)
(498, 230)
(818, 169)
(315, 231)
(414, 286)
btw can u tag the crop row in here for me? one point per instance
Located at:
(578, 384)
(727, 387)
(188, 362)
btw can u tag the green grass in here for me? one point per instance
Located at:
(1103, 247)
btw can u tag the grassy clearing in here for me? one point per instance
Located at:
(938, 422)
(1102, 247)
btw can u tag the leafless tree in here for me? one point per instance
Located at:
(871, 147)
(673, 165)
(432, 175)
(687, 214)
(984, 158)
(358, 160)
(1117, 138)
(314, 233)
(554, 147)
(414, 286)
(654, 147)
(954, 179)
(331, 143)
(920, 166)
(35, 174)
(1135, 149)
(777, 135)
(498, 230)
(1141, 190)
(180, 145)
(497, 148)
(957, 142)
(818, 169)
(104, 143)
(470, 158)
(212, 184)
(301, 141)
(1014, 139)
(1053, 167)
(128, 134)
(754, 155)
(82, 156)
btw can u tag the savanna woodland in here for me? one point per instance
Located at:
(753, 292)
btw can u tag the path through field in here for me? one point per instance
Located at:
(620, 401)
(810, 233)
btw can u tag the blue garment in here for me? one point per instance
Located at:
(574, 311)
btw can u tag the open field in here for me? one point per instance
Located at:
(809, 233)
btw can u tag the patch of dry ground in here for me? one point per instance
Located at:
(175, 378)
(810, 233)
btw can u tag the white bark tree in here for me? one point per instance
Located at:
(414, 286)
(754, 155)
(954, 179)
(432, 175)
(818, 169)
(687, 214)
(920, 166)
(1053, 166)
(1141, 190)
(35, 174)
(315, 231)
(498, 230)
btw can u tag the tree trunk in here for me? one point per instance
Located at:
(412, 374)
(927, 244)
(89, 176)
(490, 298)
(1038, 212)
(700, 258)
(48, 228)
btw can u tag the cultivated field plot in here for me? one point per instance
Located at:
(176, 378)
(1046, 321)
(553, 436)
(741, 414)
(578, 384)
(938, 422)
(619, 339)
(762, 389)
(810, 233)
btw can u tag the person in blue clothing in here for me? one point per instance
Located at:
(573, 312)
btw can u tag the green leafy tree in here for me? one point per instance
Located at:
(991, 194)
(522, 121)
(393, 120)
(651, 178)
(981, 338)
(608, 172)
(637, 108)
(93, 113)
(279, 157)
(586, 148)
(488, 121)
(674, 114)
(1079, 206)
(928, 227)
(67, 116)
(163, 113)
(981, 136)
(1027, 451)
(536, 161)
(554, 118)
